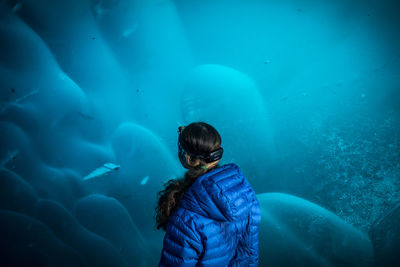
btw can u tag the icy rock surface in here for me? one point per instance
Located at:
(297, 232)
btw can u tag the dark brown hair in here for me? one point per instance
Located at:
(199, 138)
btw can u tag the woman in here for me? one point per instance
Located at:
(211, 216)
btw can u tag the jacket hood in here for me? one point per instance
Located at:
(221, 194)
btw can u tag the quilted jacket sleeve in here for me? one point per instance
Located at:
(182, 244)
(255, 220)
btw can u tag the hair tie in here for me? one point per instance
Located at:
(204, 167)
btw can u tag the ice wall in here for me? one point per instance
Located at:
(304, 93)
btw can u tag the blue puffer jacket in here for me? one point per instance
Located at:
(215, 224)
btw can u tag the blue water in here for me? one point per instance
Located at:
(305, 95)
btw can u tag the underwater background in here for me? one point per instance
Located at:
(305, 95)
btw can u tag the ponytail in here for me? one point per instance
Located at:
(169, 198)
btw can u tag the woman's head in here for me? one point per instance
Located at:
(199, 151)
(199, 144)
